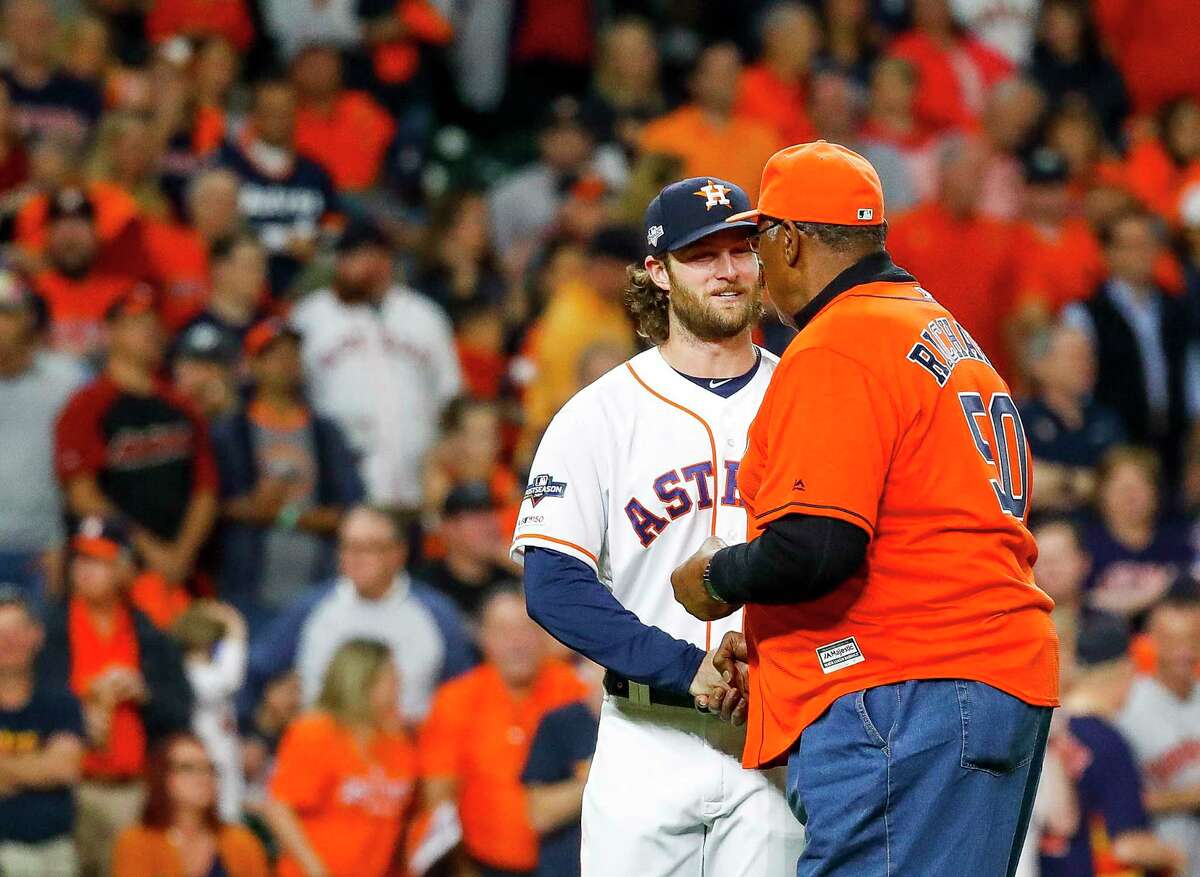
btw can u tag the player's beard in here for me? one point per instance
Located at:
(697, 315)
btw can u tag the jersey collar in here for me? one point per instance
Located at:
(873, 268)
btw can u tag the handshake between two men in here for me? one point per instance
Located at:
(722, 684)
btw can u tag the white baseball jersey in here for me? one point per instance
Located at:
(631, 476)
(383, 373)
(1164, 733)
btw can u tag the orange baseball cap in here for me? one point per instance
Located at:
(819, 182)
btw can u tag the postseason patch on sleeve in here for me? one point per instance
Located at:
(544, 487)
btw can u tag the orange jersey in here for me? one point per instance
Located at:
(479, 736)
(352, 803)
(76, 308)
(349, 141)
(885, 413)
(1057, 268)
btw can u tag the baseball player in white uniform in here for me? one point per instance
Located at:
(631, 474)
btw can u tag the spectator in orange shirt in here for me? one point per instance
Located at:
(345, 775)
(76, 288)
(477, 737)
(201, 18)
(180, 833)
(1061, 259)
(955, 71)
(128, 675)
(967, 257)
(773, 90)
(709, 135)
(346, 132)
(1158, 168)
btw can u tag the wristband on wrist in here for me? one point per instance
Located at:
(289, 516)
(706, 578)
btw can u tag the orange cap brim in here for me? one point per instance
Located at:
(744, 215)
(97, 547)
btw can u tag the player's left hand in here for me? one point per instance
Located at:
(688, 582)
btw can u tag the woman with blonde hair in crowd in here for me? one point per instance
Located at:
(181, 834)
(344, 779)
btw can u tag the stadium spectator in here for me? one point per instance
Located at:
(41, 748)
(954, 69)
(344, 131)
(476, 551)
(1161, 721)
(952, 247)
(372, 598)
(203, 367)
(1068, 432)
(1149, 372)
(1157, 168)
(1061, 260)
(212, 637)
(77, 284)
(128, 445)
(1011, 115)
(1068, 62)
(458, 268)
(14, 159)
(294, 24)
(524, 204)
(560, 757)
(1146, 38)
(774, 89)
(48, 101)
(710, 135)
(197, 19)
(1061, 571)
(379, 360)
(891, 121)
(1113, 831)
(346, 773)
(1007, 28)
(286, 198)
(470, 451)
(582, 311)
(1137, 550)
(239, 283)
(129, 677)
(286, 478)
(476, 741)
(626, 91)
(851, 43)
(36, 383)
(181, 832)
(126, 155)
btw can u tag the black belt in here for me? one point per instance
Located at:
(618, 686)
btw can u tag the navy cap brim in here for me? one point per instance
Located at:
(723, 225)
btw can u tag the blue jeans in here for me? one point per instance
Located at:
(927, 778)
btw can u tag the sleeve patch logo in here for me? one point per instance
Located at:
(544, 487)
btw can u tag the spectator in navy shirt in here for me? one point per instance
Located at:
(1136, 551)
(285, 197)
(41, 749)
(46, 100)
(554, 776)
(1113, 833)
(1068, 430)
(239, 282)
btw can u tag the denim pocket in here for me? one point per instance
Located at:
(877, 708)
(999, 732)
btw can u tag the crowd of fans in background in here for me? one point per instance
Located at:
(289, 290)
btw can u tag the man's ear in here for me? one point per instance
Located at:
(792, 244)
(657, 269)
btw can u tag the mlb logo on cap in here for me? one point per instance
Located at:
(686, 211)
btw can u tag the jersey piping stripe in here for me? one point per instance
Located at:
(557, 541)
(712, 443)
(813, 505)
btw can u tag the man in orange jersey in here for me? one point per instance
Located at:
(900, 657)
(475, 742)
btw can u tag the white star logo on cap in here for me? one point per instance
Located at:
(715, 193)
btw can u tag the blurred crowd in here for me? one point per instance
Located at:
(289, 290)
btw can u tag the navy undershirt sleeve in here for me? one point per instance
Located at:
(564, 596)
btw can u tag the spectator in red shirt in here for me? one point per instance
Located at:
(1158, 168)
(201, 18)
(344, 131)
(955, 71)
(128, 445)
(774, 89)
(128, 675)
(892, 121)
(964, 255)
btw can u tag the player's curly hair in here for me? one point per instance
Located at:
(648, 303)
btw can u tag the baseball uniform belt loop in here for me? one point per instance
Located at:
(643, 695)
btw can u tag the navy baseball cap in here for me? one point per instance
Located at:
(691, 209)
